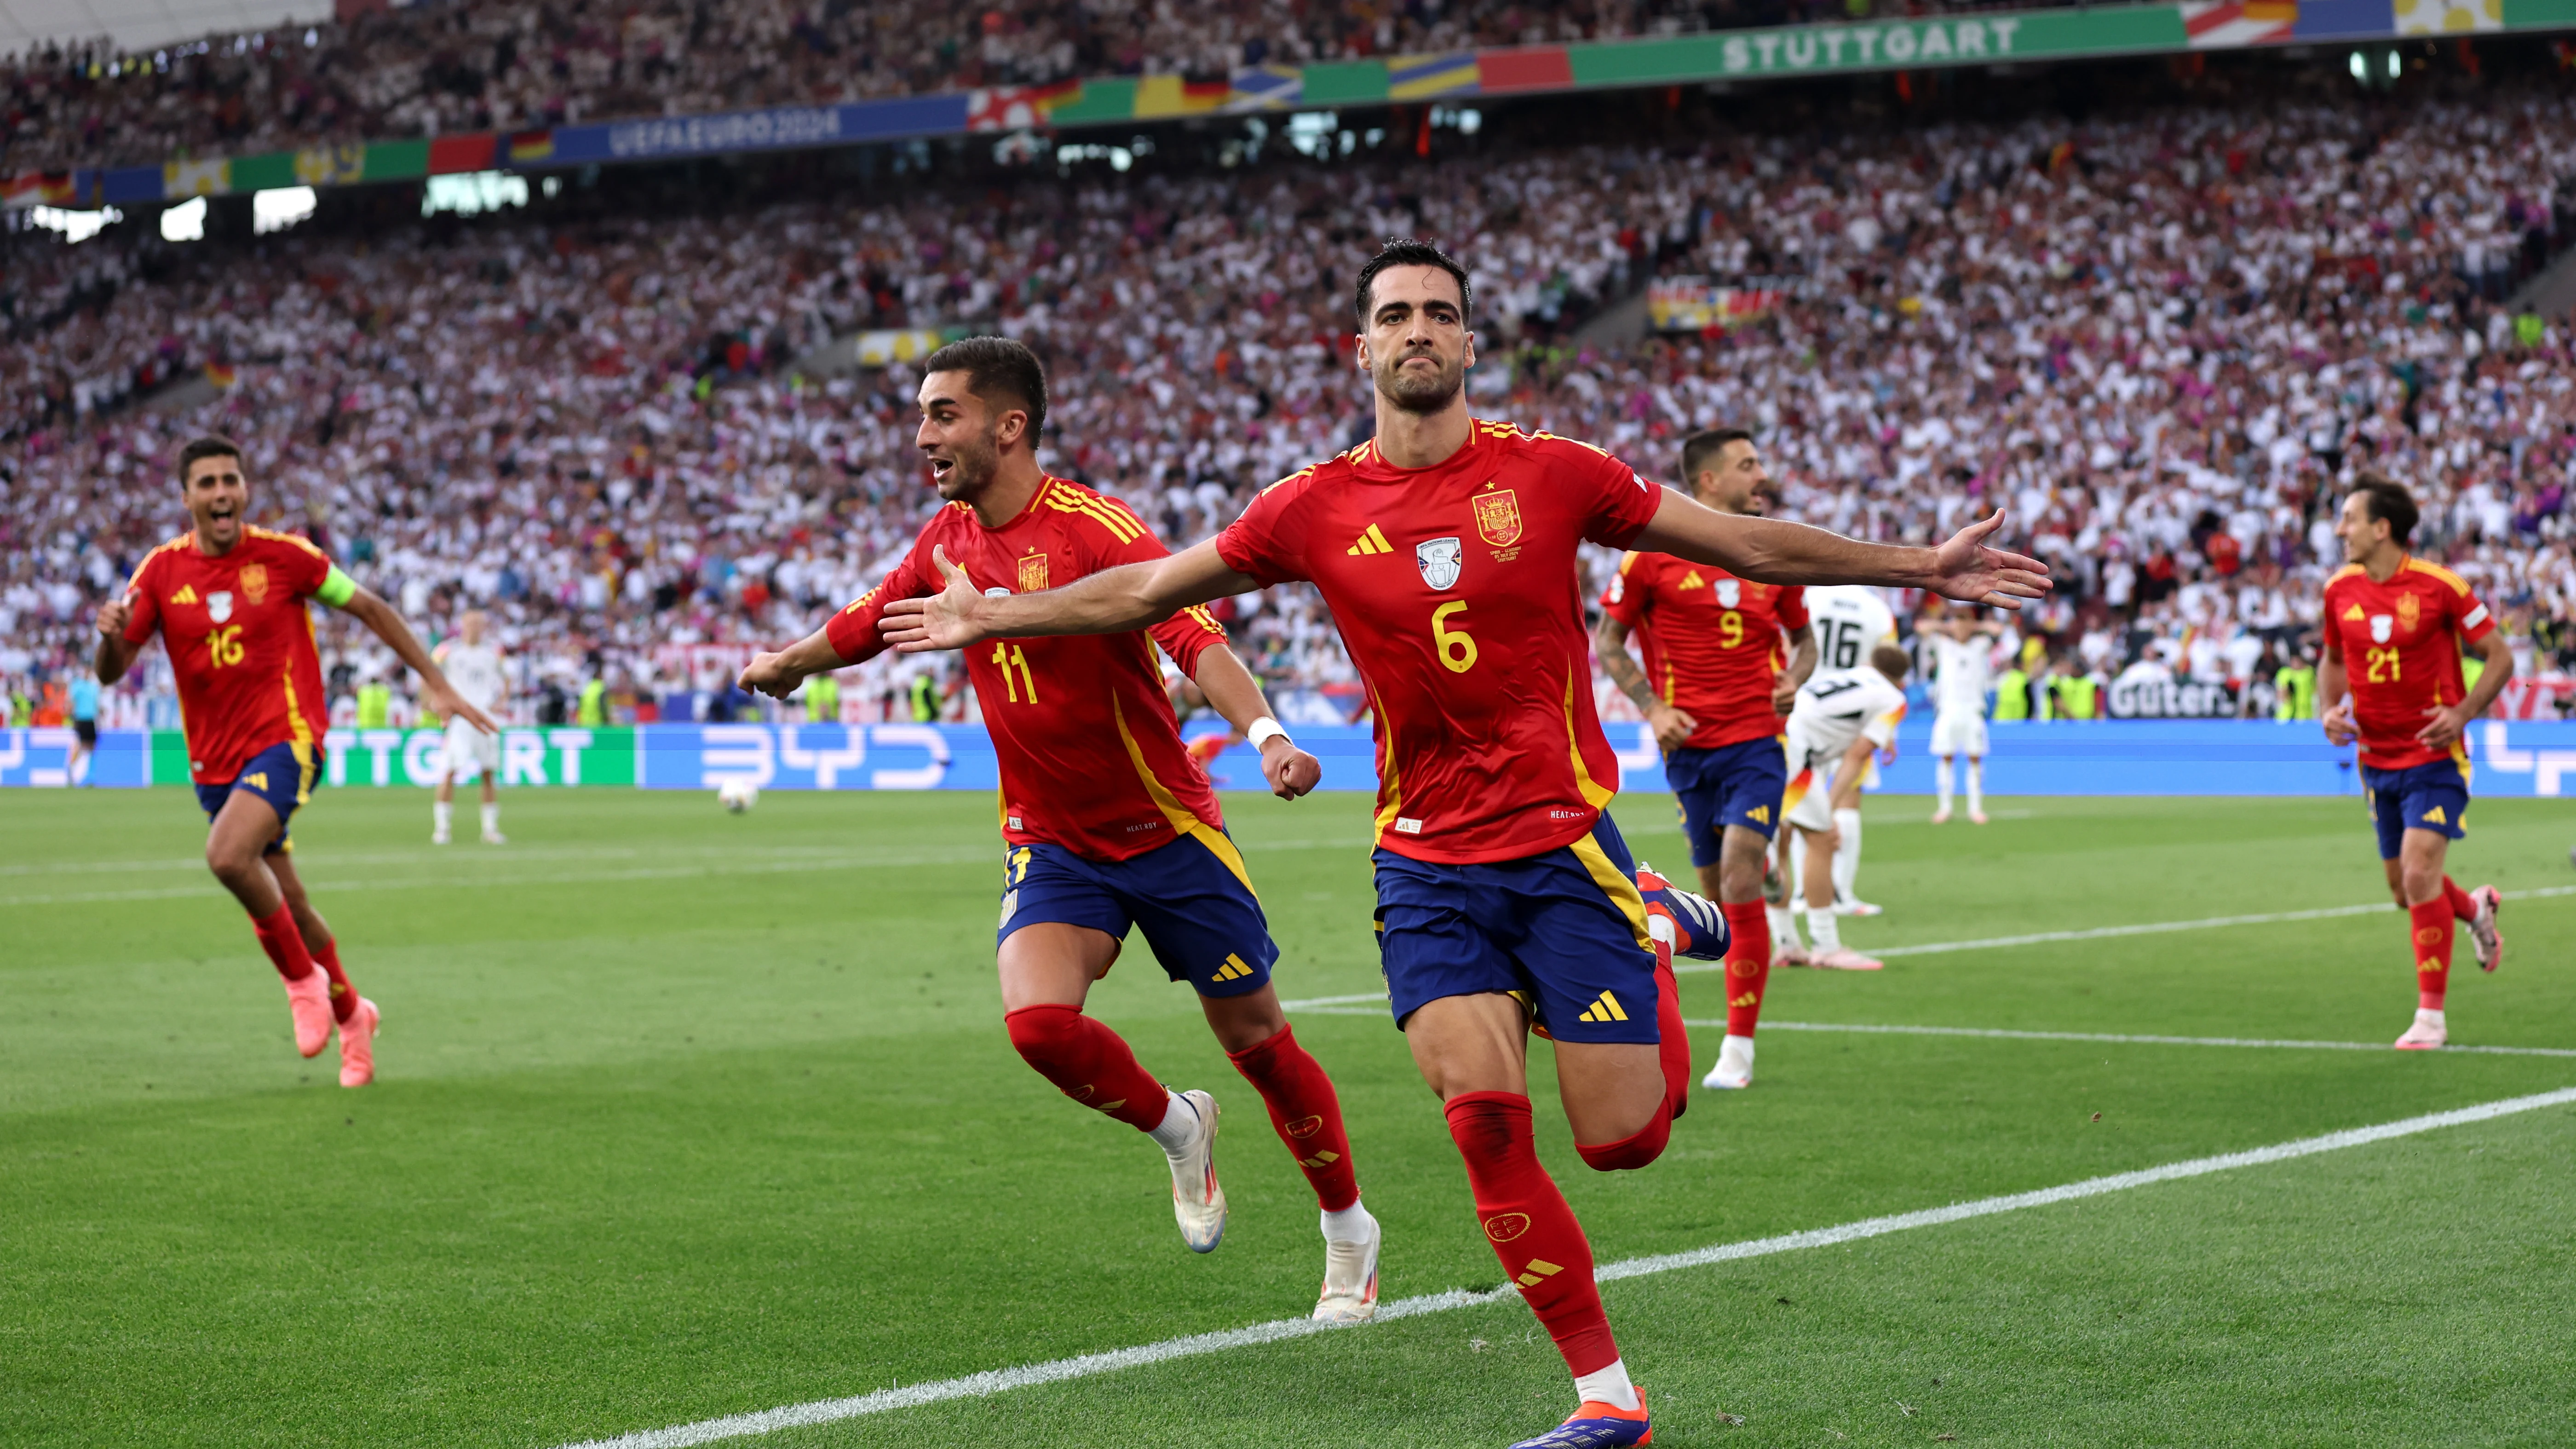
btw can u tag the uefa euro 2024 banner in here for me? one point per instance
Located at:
(2114, 757)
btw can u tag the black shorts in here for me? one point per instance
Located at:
(86, 731)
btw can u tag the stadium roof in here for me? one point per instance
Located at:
(136, 24)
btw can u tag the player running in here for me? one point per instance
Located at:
(1963, 669)
(1108, 821)
(1850, 621)
(1841, 718)
(2403, 620)
(228, 601)
(474, 671)
(1445, 548)
(1724, 658)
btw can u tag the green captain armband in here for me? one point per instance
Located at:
(337, 588)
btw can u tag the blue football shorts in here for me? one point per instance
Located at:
(1190, 896)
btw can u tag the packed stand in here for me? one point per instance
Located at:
(2160, 342)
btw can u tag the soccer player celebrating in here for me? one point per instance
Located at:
(1108, 820)
(2391, 679)
(1842, 716)
(474, 672)
(1724, 659)
(1445, 548)
(1963, 669)
(229, 603)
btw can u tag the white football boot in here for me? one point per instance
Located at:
(2482, 927)
(1198, 1203)
(2427, 1034)
(1734, 1067)
(1350, 1279)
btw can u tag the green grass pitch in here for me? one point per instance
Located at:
(682, 1114)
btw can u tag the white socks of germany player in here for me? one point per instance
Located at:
(492, 818)
(1976, 786)
(1941, 784)
(1784, 928)
(1824, 930)
(1846, 853)
(1607, 1386)
(441, 814)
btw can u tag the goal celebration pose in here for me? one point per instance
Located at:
(1724, 657)
(2393, 627)
(1108, 820)
(229, 603)
(1445, 548)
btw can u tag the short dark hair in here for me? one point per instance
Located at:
(2389, 503)
(1404, 251)
(212, 445)
(997, 368)
(1891, 661)
(1700, 451)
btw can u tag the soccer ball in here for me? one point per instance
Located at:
(737, 796)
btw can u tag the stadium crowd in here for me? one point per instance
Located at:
(2161, 341)
(476, 65)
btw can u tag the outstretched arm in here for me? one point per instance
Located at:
(1111, 601)
(1770, 551)
(436, 695)
(778, 674)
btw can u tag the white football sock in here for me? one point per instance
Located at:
(1941, 780)
(1350, 1225)
(1784, 927)
(492, 819)
(1976, 785)
(1846, 853)
(1179, 1127)
(1607, 1386)
(2430, 1016)
(1824, 929)
(440, 813)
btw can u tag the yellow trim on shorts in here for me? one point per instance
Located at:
(1616, 884)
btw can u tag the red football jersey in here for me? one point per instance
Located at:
(240, 638)
(1456, 592)
(1091, 755)
(2399, 651)
(1714, 644)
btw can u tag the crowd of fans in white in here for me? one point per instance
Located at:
(2160, 341)
(447, 66)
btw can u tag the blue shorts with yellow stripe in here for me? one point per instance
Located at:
(1191, 897)
(2432, 796)
(1737, 784)
(1565, 932)
(283, 775)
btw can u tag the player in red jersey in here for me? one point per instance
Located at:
(1108, 820)
(1445, 548)
(1724, 660)
(229, 603)
(2394, 625)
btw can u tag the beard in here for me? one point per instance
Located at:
(976, 463)
(1416, 393)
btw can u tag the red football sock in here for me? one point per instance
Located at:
(1748, 964)
(1089, 1063)
(1629, 1153)
(284, 944)
(1531, 1229)
(2432, 922)
(2462, 908)
(1305, 1113)
(344, 997)
(1672, 1041)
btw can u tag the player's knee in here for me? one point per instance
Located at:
(232, 864)
(1631, 1152)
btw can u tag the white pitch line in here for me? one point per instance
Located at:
(997, 1381)
(2120, 1040)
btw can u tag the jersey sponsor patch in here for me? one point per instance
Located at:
(219, 605)
(1730, 592)
(2382, 626)
(1439, 559)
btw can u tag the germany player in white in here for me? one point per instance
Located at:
(474, 669)
(1841, 717)
(1850, 620)
(1963, 669)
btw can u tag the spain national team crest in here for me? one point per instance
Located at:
(2410, 612)
(1730, 592)
(1438, 559)
(1033, 573)
(1498, 518)
(254, 583)
(219, 605)
(2381, 626)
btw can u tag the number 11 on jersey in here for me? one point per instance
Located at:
(1007, 654)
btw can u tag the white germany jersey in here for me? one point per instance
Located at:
(1961, 674)
(1838, 707)
(1850, 620)
(474, 670)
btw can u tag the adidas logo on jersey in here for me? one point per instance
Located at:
(1692, 580)
(1604, 1009)
(2353, 613)
(187, 595)
(1371, 541)
(1233, 969)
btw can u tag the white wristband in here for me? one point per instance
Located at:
(1263, 731)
